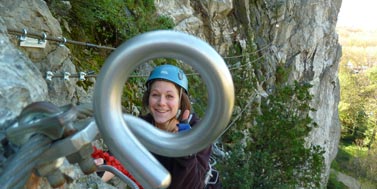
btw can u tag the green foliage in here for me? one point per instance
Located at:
(333, 183)
(357, 108)
(342, 159)
(272, 154)
(281, 74)
(236, 171)
(352, 107)
(113, 22)
(368, 166)
(358, 105)
(198, 93)
(108, 23)
(268, 146)
(279, 155)
(357, 162)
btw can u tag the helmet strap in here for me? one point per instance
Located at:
(178, 113)
(180, 98)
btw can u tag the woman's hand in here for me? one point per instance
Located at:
(99, 161)
(107, 175)
(172, 126)
(185, 115)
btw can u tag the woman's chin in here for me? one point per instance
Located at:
(161, 122)
(159, 119)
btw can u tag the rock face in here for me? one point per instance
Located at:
(21, 81)
(36, 17)
(296, 34)
(23, 72)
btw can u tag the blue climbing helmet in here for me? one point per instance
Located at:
(170, 73)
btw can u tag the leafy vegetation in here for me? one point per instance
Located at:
(357, 108)
(276, 155)
(334, 183)
(267, 142)
(108, 23)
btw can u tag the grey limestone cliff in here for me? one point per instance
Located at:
(297, 34)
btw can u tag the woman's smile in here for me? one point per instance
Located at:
(163, 101)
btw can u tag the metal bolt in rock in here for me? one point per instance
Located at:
(84, 159)
(51, 171)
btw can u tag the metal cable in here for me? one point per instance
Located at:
(19, 168)
(84, 110)
(247, 54)
(63, 40)
(251, 100)
(60, 40)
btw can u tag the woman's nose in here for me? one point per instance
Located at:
(161, 100)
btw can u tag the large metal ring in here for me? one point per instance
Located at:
(117, 133)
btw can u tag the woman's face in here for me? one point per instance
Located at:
(163, 101)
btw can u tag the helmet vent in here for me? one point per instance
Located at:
(180, 75)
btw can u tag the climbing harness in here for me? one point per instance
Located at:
(212, 175)
(67, 132)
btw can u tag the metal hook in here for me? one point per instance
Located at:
(82, 76)
(23, 35)
(49, 75)
(62, 42)
(66, 75)
(43, 39)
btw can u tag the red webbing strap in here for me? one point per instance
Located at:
(110, 160)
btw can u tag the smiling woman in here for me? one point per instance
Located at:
(168, 105)
(166, 97)
(163, 105)
(358, 14)
(133, 143)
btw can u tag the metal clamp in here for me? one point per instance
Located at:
(66, 76)
(43, 39)
(38, 125)
(129, 145)
(23, 35)
(63, 41)
(40, 117)
(49, 75)
(82, 76)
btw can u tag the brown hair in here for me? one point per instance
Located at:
(185, 103)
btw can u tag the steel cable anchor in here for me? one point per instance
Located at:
(48, 120)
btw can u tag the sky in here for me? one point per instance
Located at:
(360, 14)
